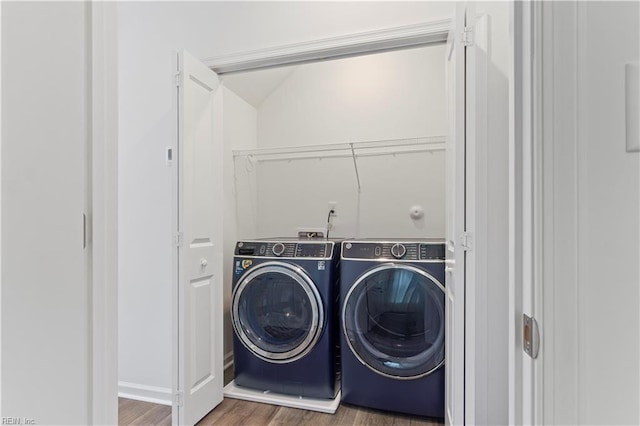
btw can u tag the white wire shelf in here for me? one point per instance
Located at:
(380, 147)
(352, 150)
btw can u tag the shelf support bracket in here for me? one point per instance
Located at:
(355, 165)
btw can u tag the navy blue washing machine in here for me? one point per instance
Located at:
(284, 310)
(393, 318)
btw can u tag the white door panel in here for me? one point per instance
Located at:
(462, 161)
(46, 187)
(455, 276)
(200, 351)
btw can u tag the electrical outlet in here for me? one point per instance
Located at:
(333, 205)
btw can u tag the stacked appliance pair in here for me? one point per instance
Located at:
(381, 324)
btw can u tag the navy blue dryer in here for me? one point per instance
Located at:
(392, 310)
(284, 312)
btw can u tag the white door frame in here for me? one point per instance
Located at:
(389, 39)
(104, 223)
(334, 48)
(367, 43)
(477, 352)
(525, 210)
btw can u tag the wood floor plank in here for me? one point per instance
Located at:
(235, 412)
(166, 420)
(217, 413)
(158, 415)
(259, 415)
(293, 416)
(288, 416)
(129, 410)
(346, 414)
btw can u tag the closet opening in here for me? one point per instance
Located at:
(351, 148)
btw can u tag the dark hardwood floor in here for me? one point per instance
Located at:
(244, 413)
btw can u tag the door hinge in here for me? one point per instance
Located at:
(467, 36)
(466, 241)
(178, 75)
(530, 336)
(179, 401)
(177, 239)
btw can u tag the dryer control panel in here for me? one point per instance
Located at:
(285, 249)
(394, 250)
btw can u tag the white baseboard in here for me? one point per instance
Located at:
(154, 394)
(228, 360)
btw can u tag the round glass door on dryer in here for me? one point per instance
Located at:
(393, 318)
(393, 325)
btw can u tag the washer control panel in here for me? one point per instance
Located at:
(285, 249)
(394, 250)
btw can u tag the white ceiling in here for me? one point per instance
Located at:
(255, 86)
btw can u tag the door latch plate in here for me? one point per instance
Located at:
(530, 336)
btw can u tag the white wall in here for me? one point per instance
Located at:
(591, 333)
(609, 219)
(389, 95)
(293, 195)
(239, 127)
(45, 292)
(385, 96)
(149, 36)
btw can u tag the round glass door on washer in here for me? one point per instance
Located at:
(283, 315)
(393, 318)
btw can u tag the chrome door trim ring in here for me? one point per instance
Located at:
(357, 283)
(317, 311)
